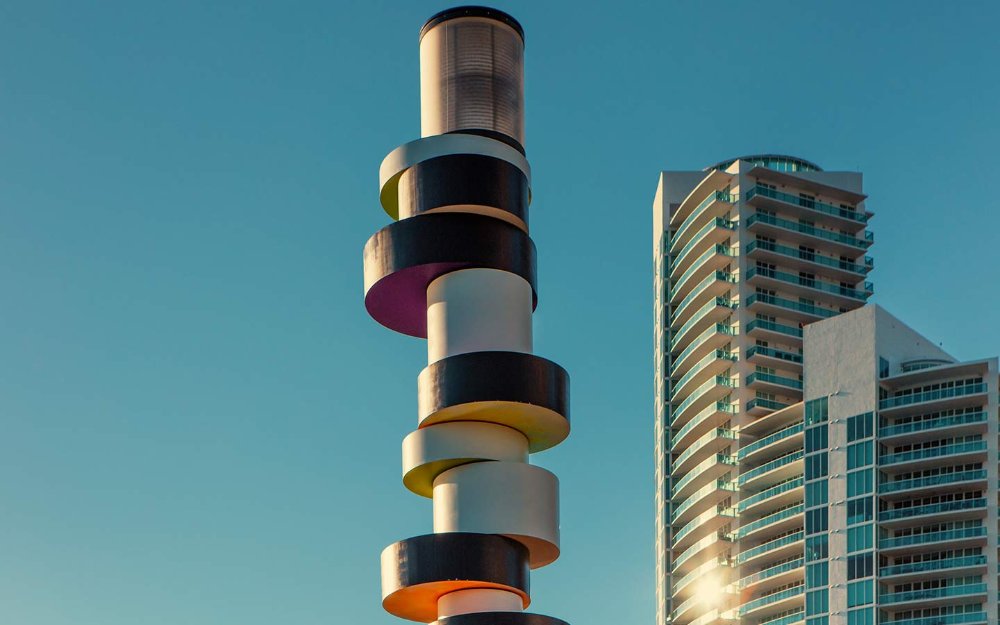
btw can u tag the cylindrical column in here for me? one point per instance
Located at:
(458, 268)
(478, 310)
(472, 74)
(478, 600)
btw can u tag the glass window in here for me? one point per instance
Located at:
(883, 367)
(860, 426)
(816, 438)
(859, 455)
(816, 466)
(860, 593)
(864, 616)
(816, 410)
(859, 538)
(817, 574)
(817, 602)
(819, 620)
(816, 547)
(816, 493)
(859, 482)
(816, 520)
(858, 510)
(859, 566)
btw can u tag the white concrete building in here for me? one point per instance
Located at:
(746, 253)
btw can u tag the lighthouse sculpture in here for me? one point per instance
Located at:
(457, 267)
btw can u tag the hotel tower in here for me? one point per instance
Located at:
(816, 460)
(457, 267)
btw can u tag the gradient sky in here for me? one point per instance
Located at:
(200, 423)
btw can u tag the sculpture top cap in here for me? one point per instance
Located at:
(472, 11)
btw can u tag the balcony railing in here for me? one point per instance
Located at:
(718, 222)
(777, 354)
(758, 376)
(777, 463)
(770, 519)
(941, 393)
(767, 440)
(698, 393)
(718, 328)
(931, 508)
(774, 327)
(813, 257)
(932, 424)
(708, 438)
(809, 309)
(932, 452)
(697, 471)
(932, 480)
(811, 204)
(932, 593)
(711, 199)
(778, 543)
(698, 495)
(932, 565)
(701, 416)
(770, 404)
(932, 537)
(717, 276)
(781, 595)
(718, 250)
(829, 235)
(812, 283)
(715, 356)
(775, 490)
(959, 618)
(698, 316)
(768, 573)
(788, 619)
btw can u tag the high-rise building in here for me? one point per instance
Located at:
(900, 484)
(817, 461)
(746, 253)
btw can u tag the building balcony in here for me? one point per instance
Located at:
(940, 398)
(809, 261)
(803, 234)
(772, 383)
(775, 444)
(705, 446)
(715, 206)
(771, 357)
(710, 340)
(935, 569)
(934, 596)
(769, 330)
(772, 422)
(776, 523)
(708, 522)
(958, 510)
(788, 619)
(777, 549)
(704, 499)
(710, 418)
(714, 233)
(714, 286)
(953, 539)
(929, 429)
(780, 306)
(962, 618)
(760, 406)
(710, 366)
(681, 589)
(944, 482)
(779, 574)
(708, 393)
(714, 259)
(768, 198)
(708, 471)
(771, 499)
(771, 473)
(705, 550)
(714, 181)
(712, 313)
(794, 284)
(955, 453)
(773, 603)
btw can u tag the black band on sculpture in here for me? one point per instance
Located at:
(403, 258)
(464, 179)
(417, 571)
(500, 618)
(490, 134)
(472, 11)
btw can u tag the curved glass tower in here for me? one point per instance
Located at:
(746, 253)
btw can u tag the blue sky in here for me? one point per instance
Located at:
(201, 425)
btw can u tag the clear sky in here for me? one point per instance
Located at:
(199, 424)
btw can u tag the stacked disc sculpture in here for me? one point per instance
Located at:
(457, 267)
